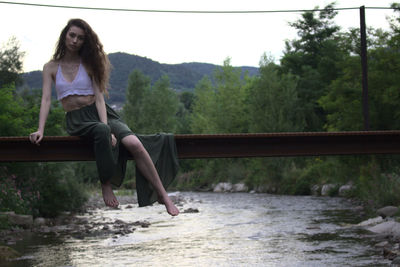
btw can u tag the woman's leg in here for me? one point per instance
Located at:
(146, 166)
(101, 134)
(108, 195)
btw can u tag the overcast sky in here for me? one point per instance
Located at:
(174, 38)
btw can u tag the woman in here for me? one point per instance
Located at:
(80, 70)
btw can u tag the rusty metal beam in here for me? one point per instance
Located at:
(63, 148)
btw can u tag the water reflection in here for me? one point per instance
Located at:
(230, 230)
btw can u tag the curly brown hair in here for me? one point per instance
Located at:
(91, 52)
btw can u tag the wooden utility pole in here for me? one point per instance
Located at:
(364, 67)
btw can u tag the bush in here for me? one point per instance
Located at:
(40, 189)
(60, 190)
(378, 189)
(16, 194)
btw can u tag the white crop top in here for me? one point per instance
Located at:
(81, 85)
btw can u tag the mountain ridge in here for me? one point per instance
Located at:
(183, 76)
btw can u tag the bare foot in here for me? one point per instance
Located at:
(169, 205)
(108, 195)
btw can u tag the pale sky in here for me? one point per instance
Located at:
(174, 38)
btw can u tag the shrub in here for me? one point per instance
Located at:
(60, 190)
(16, 194)
(40, 189)
(376, 188)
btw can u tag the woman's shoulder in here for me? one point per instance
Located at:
(51, 66)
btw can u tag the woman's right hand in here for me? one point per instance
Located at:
(36, 137)
(113, 140)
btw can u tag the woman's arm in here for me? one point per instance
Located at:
(100, 104)
(101, 109)
(37, 136)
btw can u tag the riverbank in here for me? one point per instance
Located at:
(90, 223)
(75, 225)
(385, 229)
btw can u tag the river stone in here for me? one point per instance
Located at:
(143, 224)
(240, 187)
(191, 210)
(263, 189)
(315, 190)
(7, 213)
(371, 221)
(223, 187)
(391, 228)
(345, 189)
(387, 211)
(39, 221)
(382, 244)
(7, 253)
(326, 189)
(25, 221)
(4, 216)
(396, 260)
(118, 221)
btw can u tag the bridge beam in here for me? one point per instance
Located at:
(68, 148)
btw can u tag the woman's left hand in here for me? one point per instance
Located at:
(113, 140)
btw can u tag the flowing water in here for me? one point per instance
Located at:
(229, 230)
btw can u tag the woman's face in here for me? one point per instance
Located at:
(74, 39)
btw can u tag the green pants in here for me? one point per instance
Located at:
(110, 161)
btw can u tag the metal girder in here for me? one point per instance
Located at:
(69, 148)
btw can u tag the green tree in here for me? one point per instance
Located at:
(395, 26)
(220, 108)
(11, 113)
(313, 58)
(10, 62)
(150, 109)
(343, 102)
(160, 108)
(273, 104)
(203, 115)
(230, 100)
(138, 88)
(185, 109)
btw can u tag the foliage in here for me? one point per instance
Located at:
(343, 102)
(41, 189)
(160, 108)
(313, 58)
(11, 113)
(185, 110)
(230, 100)
(377, 188)
(203, 108)
(138, 87)
(14, 197)
(150, 109)
(220, 108)
(273, 104)
(60, 189)
(10, 62)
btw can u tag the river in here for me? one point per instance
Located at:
(230, 229)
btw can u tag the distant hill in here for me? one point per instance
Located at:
(183, 77)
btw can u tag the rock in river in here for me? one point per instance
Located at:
(391, 228)
(387, 211)
(7, 253)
